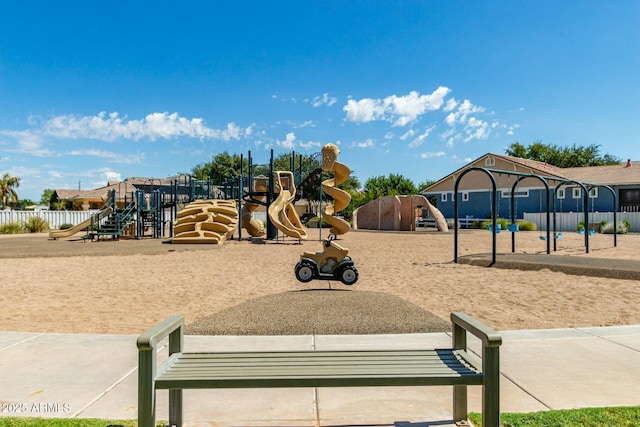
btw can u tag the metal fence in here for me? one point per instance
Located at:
(568, 221)
(54, 218)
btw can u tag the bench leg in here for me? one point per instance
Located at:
(175, 408)
(146, 390)
(491, 387)
(460, 403)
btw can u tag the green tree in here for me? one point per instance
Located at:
(426, 184)
(563, 157)
(222, 166)
(8, 195)
(47, 196)
(391, 185)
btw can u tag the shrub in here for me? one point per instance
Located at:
(476, 224)
(608, 228)
(580, 225)
(503, 223)
(35, 224)
(66, 226)
(527, 226)
(11, 228)
(627, 223)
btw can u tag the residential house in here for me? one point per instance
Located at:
(474, 189)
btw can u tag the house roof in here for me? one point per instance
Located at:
(622, 174)
(101, 193)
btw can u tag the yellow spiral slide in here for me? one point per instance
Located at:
(340, 197)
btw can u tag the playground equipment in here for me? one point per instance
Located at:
(332, 263)
(254, 227)
(281, 211)
(83, 226)
(206, 221)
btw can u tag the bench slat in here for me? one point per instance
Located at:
(318, 369)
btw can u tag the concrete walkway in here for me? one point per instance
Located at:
(95, 376)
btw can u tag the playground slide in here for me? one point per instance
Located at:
(83, 226)
(281, 211)
(284, 217)
(254, 227)
(340, 197)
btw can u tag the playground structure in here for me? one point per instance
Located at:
(206, 221)
(156, 208)
(395, 213)
(281, 211)
(551, 232)
(332, 263)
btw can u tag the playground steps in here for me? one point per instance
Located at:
(115, 224)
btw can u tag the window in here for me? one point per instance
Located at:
(444, 197)
(490, 161)
(519, 193)
(593, 193)
(577, 193)
(465, 196)
(560, 193)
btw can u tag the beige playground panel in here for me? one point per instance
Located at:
(206, 221)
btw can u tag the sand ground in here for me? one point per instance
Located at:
(125, 287)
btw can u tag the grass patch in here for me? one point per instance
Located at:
(623, 416)
(68, 422)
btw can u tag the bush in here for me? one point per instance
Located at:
(35, 224)
(476, 224)
(527, 226)
(503, 223)
(11, 228)
(627, 223)
(608, 228)
(66, 226)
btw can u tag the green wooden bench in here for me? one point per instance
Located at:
(452, 366)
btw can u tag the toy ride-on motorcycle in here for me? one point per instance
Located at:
(331, 264)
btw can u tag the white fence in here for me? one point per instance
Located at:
(54, 218)
(569, 221)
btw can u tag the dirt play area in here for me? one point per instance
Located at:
(407, 283)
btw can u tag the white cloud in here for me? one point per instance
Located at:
(429, 155)
(408, 134)
(325, 99)
(310, 144)
(365, 110)
(289, 141)
(104, 177)
(109, 127)
(399, 110)
(450, 105)
(420, 139)
(28, 142)
(364, 144)
(108, 155)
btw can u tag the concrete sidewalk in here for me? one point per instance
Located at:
(95, 376)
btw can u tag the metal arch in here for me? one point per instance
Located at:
(615, 209)
(493, 211)
(585, 205)
(513, 192)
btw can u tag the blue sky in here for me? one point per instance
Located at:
(95, 91)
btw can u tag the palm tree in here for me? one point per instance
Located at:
(7, 193)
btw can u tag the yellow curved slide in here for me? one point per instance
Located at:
(254, 227)
(282, 212)
(83, 226)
